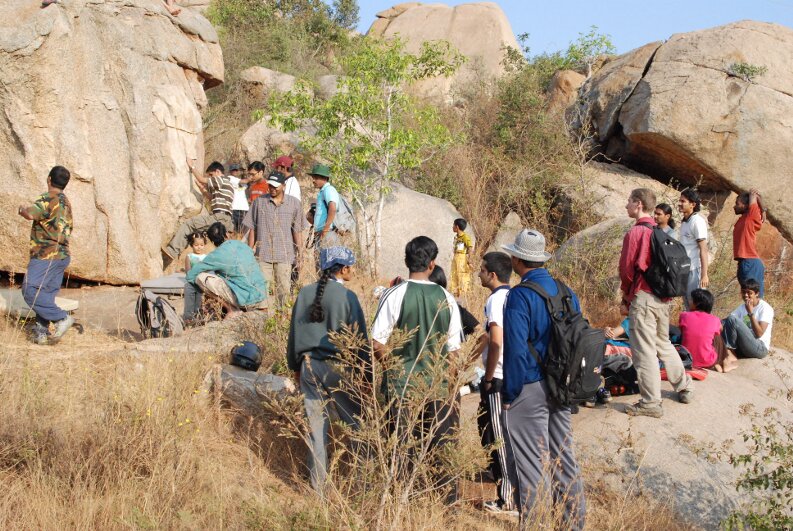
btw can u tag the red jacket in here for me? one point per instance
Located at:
(635, 259)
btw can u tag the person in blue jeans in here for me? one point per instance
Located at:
(51, 214)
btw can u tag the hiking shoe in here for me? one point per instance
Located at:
(498, 507)
(41, 337)
(686, 395)
(642, 409)
(62, 326)
(590, 402)
(603, 395)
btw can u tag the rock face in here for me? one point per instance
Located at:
(563, 90)
(684, 457)
(404, 218)
(111, 90)
(479, 31)
(263, 142)
(259, 81)
(679, 110)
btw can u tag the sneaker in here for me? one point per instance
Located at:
(497, 507)
(590, 402)
(686, 395)
(41, 338)
(603, 395)
(62, 326)
(640, 408)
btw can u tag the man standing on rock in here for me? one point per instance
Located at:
(217, 188)
(275, 229)
(648, 315)
(744, 238)
(51, 215)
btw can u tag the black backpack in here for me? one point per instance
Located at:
(575, 351)
(669, 265)
(156, 316)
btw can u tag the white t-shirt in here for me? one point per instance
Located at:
(691, 230)
(391, 306)
(494, 315)
(292, 187)
(240, 202)
(764, 313)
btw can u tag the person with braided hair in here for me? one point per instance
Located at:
(321, 308)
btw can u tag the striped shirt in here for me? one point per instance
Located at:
(272, 226)
(222, 194)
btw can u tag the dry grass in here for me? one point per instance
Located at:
(91, 437)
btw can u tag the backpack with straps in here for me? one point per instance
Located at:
(667, 275)
(345, 220)
(575, 351)
(156, 316)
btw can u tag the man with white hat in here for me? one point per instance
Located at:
(538, 430)
(275, 225)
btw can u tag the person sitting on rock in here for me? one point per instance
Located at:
(701, 331)
(230, 274)
(217, 188)
(747, 330)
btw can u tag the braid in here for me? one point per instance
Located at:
(317, 313)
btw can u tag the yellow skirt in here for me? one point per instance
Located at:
(460, 277)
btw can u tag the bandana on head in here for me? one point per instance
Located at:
(338, 255)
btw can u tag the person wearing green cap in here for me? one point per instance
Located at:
(327, 205)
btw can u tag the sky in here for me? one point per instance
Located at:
(552, 25)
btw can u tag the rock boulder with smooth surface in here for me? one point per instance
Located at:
(681, 110)
(480, 31)
(111, 90)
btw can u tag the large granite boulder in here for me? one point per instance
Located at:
(112, 90)
(480, 31)
(408, 214)
(686, 109)
(263, 142)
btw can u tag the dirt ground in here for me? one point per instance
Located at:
(111, 309)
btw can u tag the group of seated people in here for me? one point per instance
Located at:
(711, 342)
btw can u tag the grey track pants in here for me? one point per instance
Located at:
(541, 438)
(323, 398)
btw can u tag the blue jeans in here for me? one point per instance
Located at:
(752, 268)
(740, 338)
(42, 283)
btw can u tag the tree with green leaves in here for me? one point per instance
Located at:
(372, 129)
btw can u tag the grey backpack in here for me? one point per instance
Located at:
(156, 316)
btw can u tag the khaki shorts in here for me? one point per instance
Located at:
(212, 283)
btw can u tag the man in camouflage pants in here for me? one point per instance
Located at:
(51, 215)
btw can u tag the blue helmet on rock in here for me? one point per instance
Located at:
(246, 355)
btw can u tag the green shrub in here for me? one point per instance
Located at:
(767, 473)
(746, 71)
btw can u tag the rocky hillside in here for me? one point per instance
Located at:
(112, 90)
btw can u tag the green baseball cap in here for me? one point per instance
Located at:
(322, 170)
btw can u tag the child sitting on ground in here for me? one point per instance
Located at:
(198, 245)
(701, 330)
